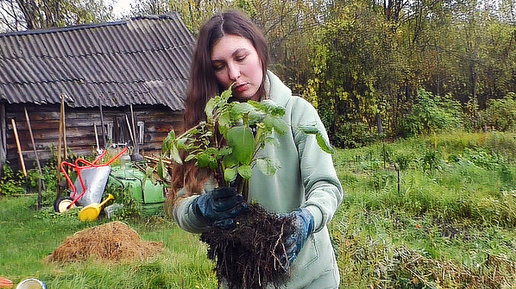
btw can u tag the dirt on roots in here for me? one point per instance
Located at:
(111, 242)
(253, 254)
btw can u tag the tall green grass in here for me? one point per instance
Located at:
(446, 201)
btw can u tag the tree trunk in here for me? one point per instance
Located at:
(379, 125)
(30, 12)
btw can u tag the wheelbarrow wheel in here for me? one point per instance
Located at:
(61, 205)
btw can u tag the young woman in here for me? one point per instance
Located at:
(232, 50)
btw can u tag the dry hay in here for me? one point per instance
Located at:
(401, 265)
(111, 242)
(496, 272)
(253, 254)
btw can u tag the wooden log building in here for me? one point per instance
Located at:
(129, 70)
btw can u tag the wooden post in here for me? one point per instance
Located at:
(59, 146)
(3, 138)
(130, 129)
(19, 147)
(397, 167)
(102, 124)
(41, 184)
(96, 136)
(136, 144)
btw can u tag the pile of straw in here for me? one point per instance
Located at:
(112, 242)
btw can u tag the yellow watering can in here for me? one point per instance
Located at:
(92, 211)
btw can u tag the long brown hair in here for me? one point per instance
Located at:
(203, 84)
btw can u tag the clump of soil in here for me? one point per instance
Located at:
(112, 242)
(253, 254)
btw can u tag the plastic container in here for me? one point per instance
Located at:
(31, 284)
(112, 210)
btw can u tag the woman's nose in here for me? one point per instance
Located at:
(233, 72)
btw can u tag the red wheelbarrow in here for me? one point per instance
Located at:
(90, 183)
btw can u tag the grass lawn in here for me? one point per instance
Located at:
(435, 212)
(29, 236)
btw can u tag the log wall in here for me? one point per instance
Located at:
(80, 130)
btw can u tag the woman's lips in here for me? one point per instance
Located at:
(240, 87)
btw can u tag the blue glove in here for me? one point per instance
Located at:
(219, 207)
(304, 224)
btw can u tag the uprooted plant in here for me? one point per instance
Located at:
(227, 143)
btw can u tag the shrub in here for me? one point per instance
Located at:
(131, 207)
(431, 114)
(431, 161)
(403, 160)
(353, 135)
(481, 158)
(503, 145)
(11, 183)
(501, 113)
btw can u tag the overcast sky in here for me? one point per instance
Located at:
(121, 6)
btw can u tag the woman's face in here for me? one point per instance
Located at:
(234, 59)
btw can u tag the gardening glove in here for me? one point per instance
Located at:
(218, 207)
(304, 226)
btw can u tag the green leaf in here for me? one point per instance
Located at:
(203, 160)
(266, 166)
(162, 169)
(309, 129)
(325, 146)
(241, 140)
(224, 151)
(224, 122)
(206, 160)
(269, 107)
(230, 159)
(239, 109)
(174, 154)
(245, 171)
(321, 141)
(230, 174)
(258, 105)
(194, 131)
(181, 143)
(190, 157)
(278, 124)
(226, 94)
(168, 141)
(208, 110)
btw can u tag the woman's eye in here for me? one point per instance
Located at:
(240, 57)
(218, 67)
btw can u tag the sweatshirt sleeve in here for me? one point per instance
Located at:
(323, 190)
(185, 217)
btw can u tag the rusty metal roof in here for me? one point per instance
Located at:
(144, 60)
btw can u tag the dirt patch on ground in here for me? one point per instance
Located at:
(112, 242)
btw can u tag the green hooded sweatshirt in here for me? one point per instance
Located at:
(306, 178)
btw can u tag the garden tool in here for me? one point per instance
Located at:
(91, 212)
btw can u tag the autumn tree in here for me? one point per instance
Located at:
(150, 7)
(16, 15)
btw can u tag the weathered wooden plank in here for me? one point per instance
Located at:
(80, 133)
(3, 138)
